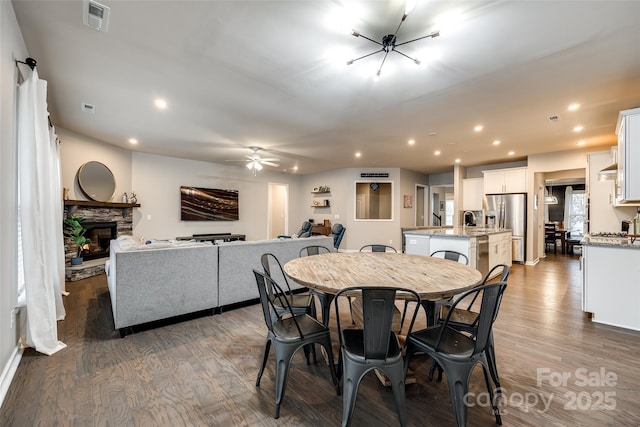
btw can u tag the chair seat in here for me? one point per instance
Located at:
(354, 344)
(286, 330)
(454, 345)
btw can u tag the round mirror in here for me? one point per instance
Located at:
(96, 181)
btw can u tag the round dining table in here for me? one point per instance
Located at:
(432, 278)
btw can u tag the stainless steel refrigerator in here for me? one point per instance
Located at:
(509, 211)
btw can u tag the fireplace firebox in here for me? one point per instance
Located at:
(100, 235)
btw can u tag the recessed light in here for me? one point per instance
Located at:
(437, 152)
(412, 142)
(161, 104)
(496, 142)
(511, 153)
(578, 128)
(295, 168)
(478, 128)
(573, 107)
(580, 143)
(457, 160)
(358, 154)
(133, 141)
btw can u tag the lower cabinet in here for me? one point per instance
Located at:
(610, 285)
(499, 250)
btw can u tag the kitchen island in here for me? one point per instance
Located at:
(485, 247)
(611, 284)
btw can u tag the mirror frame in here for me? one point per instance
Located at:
(370, 183)
(90, 184)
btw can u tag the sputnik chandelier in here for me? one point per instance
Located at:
(389, 42)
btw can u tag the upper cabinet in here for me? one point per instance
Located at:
(472, 194)
(498, 181)
(628, 181)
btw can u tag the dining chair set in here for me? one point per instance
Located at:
(459, 340)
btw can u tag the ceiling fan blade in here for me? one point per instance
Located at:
(236, 160)
(269, 159)
(275, 165)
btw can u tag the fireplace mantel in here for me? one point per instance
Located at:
(73, 205)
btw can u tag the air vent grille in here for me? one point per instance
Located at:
(95, 15)
(88, 108)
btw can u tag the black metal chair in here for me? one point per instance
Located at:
(373, 346)
(458, 353)
(435, 305)
(324, 298)
(378, 248)
(550, 236)
(300, 302)
(465, 318)
(288, 333)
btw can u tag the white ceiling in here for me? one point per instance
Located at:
(256, 73)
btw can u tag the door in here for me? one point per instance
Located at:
(278, 212)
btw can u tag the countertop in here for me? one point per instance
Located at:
(636, 245)
(458, 232)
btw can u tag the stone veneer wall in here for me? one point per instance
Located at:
(123, 216)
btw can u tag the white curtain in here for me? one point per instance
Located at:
(568, 202)
(40, 219)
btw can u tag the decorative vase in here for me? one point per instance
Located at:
(76, 261)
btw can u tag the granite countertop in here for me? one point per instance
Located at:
(459, 232)
(635, 245)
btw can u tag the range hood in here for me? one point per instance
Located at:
(610, 172)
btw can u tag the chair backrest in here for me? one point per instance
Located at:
(267, 302)
(273, 269)
(452, 256)
(313, 250)
(506, 270)
(305, 230)
(378, 306)
(491, 296)
(378, 248)
(338, 233)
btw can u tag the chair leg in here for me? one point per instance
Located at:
(458, 379)
(404, 314)
(332, 366)
(352, 376)
(265, 356)
(396, 377)
(494, 405)
(491, 362)
(283, 362)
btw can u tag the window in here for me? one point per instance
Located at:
(577, 212)
(449, 208)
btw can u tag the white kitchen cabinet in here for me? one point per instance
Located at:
(472, 194)
(628, 181)
(500, 181)
(499, 250)
(610, 285)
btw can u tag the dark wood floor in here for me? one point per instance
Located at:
(201, 372)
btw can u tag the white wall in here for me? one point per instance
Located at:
(76, 150)
(11, 47)
(156, 180)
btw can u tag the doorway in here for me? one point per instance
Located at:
(442, 205)
(421, 205)
(278, 210)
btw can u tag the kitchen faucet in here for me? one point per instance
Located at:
(464, 216)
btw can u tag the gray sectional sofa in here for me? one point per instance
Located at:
(150, 282)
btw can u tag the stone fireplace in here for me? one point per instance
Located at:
(107, 221)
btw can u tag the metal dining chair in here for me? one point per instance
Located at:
(288, 332)
(378, 248)
(459, 353)
(372, 345)
(323, 297)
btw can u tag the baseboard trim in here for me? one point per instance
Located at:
(9, 371)
(534, 262)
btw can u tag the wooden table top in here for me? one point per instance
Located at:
(431, 278)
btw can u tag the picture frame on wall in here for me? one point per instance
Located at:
(441, 206)
(408, 201)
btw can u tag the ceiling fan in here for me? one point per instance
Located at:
(255, 162)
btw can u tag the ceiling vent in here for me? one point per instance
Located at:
(95, 15)
(88, 108)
